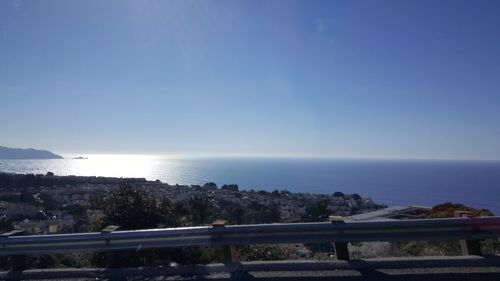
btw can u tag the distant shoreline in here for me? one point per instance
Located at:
(7, 153)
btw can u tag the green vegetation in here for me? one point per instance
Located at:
(259, 213)
(448, 248)
(447, 210)
(132, 208)
(316, 212)
(200, 211)
(4, 224)
(266, 252)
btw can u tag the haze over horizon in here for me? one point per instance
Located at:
(145, 156)
(371, 79)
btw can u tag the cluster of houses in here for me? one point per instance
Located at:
(37, 217)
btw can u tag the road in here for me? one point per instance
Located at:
(421, 268)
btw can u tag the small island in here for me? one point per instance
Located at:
(30, 153)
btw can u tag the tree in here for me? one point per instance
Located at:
(338, 194)
(132, 208)
(210, 185)
(48, 202)
(4, 224)
(202, 211)
(260, 213)
(316, 212)
(356, 197)
(230, 187)
(235, 214)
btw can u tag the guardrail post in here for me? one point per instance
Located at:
(110, 228)
(469, 247)
(229, 252)
(341, 250)
(109, 257)
(17, 262)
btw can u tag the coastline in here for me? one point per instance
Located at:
(395, 183)
(79, 191)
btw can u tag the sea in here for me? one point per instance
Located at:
(391, 182)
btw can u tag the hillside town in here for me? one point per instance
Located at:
(42, 204)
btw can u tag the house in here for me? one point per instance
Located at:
(392, 213)
(31, 226)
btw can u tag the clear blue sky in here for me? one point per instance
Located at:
(410, 79)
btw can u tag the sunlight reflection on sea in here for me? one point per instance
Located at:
(394, 182)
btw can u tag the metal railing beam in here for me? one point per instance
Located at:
(405, 230)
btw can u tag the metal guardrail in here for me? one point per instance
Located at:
(324, 232)
(421, 268)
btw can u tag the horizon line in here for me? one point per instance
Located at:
(271, 156)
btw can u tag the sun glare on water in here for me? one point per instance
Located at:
(118, 165)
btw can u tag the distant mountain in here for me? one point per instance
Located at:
(30, 153)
